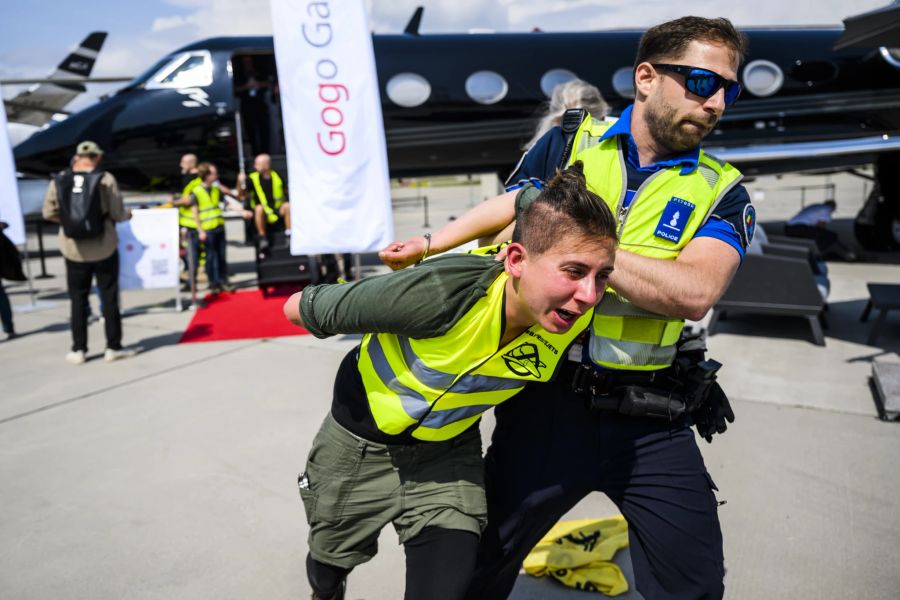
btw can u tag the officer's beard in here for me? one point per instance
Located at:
(673, 134)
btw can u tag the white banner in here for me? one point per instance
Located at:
(334, 133)
(10, 209)
(148, 249)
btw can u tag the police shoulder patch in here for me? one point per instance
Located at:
(749, 219)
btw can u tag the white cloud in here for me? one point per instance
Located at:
(163, 23)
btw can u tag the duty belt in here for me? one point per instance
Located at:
(641, 394)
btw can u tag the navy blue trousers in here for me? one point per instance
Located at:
(549, 451)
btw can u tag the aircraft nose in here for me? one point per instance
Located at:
(44, 152)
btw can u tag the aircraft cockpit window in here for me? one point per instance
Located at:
(555, 77)
(486, 87)
(408, 89)
(190, 69)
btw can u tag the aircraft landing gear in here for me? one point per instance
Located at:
(877, 226)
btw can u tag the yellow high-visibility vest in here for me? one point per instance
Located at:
(436, 388)
(185, 215)
(208, 205)
(663, 216)
(277, 191)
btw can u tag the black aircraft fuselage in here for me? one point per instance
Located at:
(825, 96)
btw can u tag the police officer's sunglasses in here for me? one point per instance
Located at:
(703, 82)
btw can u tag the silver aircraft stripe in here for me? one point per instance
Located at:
(414, 403)
(466, 384)
(440, 418)
(86, 52)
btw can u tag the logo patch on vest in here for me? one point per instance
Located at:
(674, 218)
(749, 223)
(524, 360)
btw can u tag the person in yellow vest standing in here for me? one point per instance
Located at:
(181, 199)
(444, 342)
(205, 201)
(620, 422)
(267, 199)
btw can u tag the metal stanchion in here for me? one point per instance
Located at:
(40, 236)
(192, 269)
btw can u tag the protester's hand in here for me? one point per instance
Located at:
(247, 214)
(713, 415)
(398, 255)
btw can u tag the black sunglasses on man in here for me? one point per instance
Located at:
(703, 82)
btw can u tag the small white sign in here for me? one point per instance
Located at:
(148, 249)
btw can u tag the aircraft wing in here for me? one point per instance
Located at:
(37, 105)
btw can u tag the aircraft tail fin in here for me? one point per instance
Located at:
(80, 63)
(412, 28)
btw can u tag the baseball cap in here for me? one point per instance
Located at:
(88, 147)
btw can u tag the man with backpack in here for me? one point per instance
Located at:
(86, 202)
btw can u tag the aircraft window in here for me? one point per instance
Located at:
(191, 69)
(146, 75)
(891, 55)
(763, 78)
(555, 77)
(486, 87)
(623, 82)
(408, 89)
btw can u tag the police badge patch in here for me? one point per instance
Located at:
(749, 219)
(674, 218)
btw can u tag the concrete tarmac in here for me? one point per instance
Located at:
(173, 474)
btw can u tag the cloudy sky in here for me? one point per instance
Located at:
(36, 35)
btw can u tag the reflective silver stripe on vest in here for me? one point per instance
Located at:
(709, 175)
(414, 403)
(615, 305)
(622, 352)
(586, 140)
(466, 384)
(440, 418)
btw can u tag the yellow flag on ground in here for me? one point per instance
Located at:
(579, 554)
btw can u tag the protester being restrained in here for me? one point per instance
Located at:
(444, 342)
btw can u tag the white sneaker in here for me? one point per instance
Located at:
(75, 357)
(111, 355)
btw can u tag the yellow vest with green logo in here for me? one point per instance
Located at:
(624, 336)
(185, 215)
(436, 388)
(277, 191)
(208, 205)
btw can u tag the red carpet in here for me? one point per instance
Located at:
(242, 315)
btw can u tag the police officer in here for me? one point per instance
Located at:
(268, 199)
(460, 334)
(684, 223)
(75, 198)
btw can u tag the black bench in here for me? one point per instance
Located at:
(884, 297)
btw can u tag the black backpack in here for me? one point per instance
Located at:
(80, 211)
